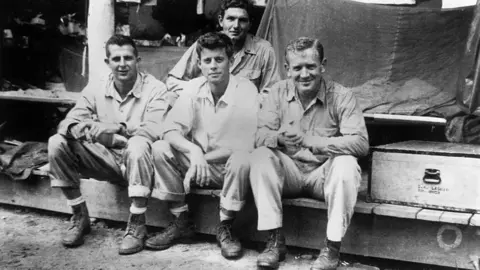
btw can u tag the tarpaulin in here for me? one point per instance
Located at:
(402, 49)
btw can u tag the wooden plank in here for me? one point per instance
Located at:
(373, 118)
(455, 217)
(305, 202)
(429, 215)
(19, 97)
(364, 207)
(398, 211)
(368, 235)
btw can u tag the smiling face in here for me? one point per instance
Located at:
(235, 23)
(123, 63)
(215, 65)
(306, 69)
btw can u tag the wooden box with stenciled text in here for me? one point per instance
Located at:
(436, 175)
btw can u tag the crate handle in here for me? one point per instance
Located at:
(432, 176)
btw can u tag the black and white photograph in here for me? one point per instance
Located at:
(240, 134)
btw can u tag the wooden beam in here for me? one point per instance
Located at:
(101, 26)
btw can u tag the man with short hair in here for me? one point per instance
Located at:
(208, 136)
(253, 57)
(108, 135)
(311, 131)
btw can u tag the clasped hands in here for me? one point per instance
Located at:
(93, 131)
(292, 138)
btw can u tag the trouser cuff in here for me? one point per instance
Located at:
(231, 205)
(270, 224)
(138, 191)
(57, 183)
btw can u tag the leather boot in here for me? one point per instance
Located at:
(135, 233)
(179, 231)
(80, 226)
(275, 250)
(327, 260)
(229, 243)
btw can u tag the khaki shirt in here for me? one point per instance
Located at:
(256, 62)
(142, 110)
(230, 124)
(333, 118)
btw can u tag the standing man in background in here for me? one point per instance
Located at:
(253, 57)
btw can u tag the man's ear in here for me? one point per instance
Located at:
(106, 61)
(139, 59)
(324, 63)
(287, 68)
(220, 20)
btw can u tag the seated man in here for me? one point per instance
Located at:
(253, 57)
(311, 132)
(208, 135)
(108, 135)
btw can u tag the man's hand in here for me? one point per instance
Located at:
(289, 138)
(93, 130)
(308, 142)
(77, 131)
(199, 170)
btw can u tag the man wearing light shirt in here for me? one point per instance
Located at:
(310, 133)
(108, 136)
(253, 57)
(207, 136)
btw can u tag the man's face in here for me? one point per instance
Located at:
(235, 24)
(305, 69)
(123, 62)
(215, 65)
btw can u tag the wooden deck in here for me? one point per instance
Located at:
(377, 230)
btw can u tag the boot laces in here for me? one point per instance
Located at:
(132, 225)
(170, 229)
(75, 221)
(226, 231)
(272, 242)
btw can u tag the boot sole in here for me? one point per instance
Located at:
(230, 255)
(163, 247)
(272, 265)
(130, 250)
(80, 241)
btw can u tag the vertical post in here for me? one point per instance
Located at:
(100, 27)
(2, 23)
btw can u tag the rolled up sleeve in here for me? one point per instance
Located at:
(185, 70)
(269, 121)
(83, 110)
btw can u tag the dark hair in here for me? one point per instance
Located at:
(303, 43)
(212, 41)
(243, 4)
(120, 40)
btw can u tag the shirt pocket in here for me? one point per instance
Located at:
(254, 75)
(325, 132)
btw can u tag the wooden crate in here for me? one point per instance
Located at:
(427, 174)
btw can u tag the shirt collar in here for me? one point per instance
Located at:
(136, 90)
(228, 96)
(291, 91)
(249, 46)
